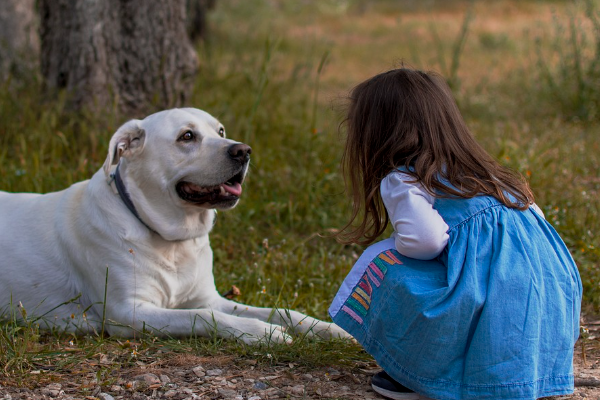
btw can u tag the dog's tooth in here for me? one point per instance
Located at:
(222, 189)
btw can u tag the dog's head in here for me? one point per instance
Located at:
(177, 165)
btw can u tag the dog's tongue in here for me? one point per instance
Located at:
(235, 189)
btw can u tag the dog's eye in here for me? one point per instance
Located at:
(222, 132)
(186, 137)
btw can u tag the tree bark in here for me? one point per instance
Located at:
(134, 54)
(196, 17)
(19, 43)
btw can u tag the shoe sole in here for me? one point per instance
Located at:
(398, 396)
(395, 395)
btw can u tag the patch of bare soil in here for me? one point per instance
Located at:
(191, 377)
(587, 363)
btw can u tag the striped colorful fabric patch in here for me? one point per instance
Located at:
(358, 303)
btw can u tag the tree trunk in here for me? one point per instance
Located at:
(19, 43)
(134, 54)
(196, 17)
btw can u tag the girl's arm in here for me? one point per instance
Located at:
(419, 230)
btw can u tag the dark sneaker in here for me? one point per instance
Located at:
(386, 386)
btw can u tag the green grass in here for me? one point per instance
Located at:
(276, 76)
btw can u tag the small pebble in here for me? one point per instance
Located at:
(214, 372)
(199, 372)
(52, 390)
(297, 390)
(148, 379)
(260, 385)
(227, 393)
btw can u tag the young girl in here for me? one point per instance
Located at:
(474, 296)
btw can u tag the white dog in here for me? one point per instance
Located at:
(141, 225)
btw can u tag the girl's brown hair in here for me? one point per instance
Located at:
(408, 118)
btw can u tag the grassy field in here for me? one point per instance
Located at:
(526, 75)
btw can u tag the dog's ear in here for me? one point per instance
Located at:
(128, 139)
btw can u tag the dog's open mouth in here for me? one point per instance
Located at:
(228, 191)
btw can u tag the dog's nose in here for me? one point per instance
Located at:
(240, 152)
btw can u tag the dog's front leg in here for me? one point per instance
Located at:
(294, 321)
(186, 322)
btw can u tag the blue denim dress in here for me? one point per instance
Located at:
(495, 316)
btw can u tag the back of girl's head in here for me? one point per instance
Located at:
(408, 118)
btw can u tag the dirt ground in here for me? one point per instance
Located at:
(228, 377)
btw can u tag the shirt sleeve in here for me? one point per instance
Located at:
(419, 230)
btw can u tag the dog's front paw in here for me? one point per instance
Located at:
(277, 335)
(328, 331)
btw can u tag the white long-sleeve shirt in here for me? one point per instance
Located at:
(419, 230)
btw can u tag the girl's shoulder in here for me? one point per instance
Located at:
(458, 209)
(455, 210)
(398, 183)
(399, 175)
(460, 213)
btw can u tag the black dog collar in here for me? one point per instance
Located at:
(125, 196)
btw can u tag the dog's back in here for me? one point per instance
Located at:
(34, 264)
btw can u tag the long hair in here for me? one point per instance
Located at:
(408, 118)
